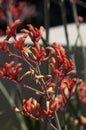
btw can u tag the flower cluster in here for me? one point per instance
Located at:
(56, 87)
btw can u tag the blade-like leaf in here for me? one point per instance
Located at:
(11, 102)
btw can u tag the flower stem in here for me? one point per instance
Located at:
(64, 19)
(57, 121)
(53, 126)
(78, 31)
(33, 89)
(46, 17)
(43, 82)
(15, 55)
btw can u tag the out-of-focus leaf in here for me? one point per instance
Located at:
(8, 125)
(11, 102)
(6, 94)
(19, 92)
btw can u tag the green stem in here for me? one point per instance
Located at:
(57, 121)
(64, 19)
(46, 17)
(81, 3)
(53, 126)
(77, 25)
(81, 127)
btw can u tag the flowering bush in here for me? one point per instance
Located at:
(56, 87)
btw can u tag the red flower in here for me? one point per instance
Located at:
(50, 88)
(67, 87)
(9, 71)
(32, 105)
(4, 46)
(11, 30)
(57, 71)
(62, 59)
(27, 106)
(39, 52)
(68, 65)
(19, 44)
(35, 34)
(60, 53)
(59, 63)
